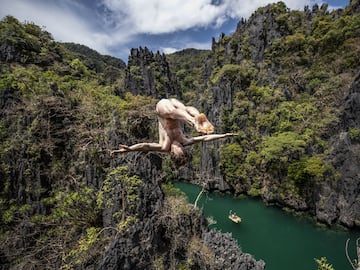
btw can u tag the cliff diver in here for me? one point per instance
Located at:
(171, 113)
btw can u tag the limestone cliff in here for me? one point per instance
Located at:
(285, 83)
(64, 201)
(169, 232)
(339, 200)
(268, 50)
(148, 73)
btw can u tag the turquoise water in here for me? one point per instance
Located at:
(282, 240)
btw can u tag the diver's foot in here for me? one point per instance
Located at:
(122, 149)
(203, 125)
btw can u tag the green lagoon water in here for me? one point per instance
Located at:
(282, 240)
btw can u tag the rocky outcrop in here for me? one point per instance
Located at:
(50, 148)
(141, 245)
(222, 98)
(135, 248)
(94, 60)
(253, 36)
(332, 201)
(338, 201)
(354, 6)
(227, 253)
(263, 29)
(249, 41)
(149, 74)
(167, 228)
(351, 109)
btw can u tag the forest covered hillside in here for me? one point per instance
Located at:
(65, 203)
(287, 81)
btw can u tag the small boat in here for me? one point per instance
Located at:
(233, 217)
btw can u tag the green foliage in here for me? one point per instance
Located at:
(329, 39)
(170, 190)
(78, 206)
(60, 103)
(27, 43)
(90, 238)
(56, 114)
(354, 133)
(7, 81)
(175, 207)
(198, 250)
(255, 190)
(307, 167)
(93, 60)
(295, 42)
(196, 158)
(288, 116)
(323, 264)
(276, 8)
(9, 214)
(246, 48)
(135, 71)
(168, 169)
(134, 102)
(315, 166)
(264, 96)
(120, 191)
(80, 254)
(230, 158)
(159, 263)
(58, 230)
(188, 66)
(282, 147)
(78, 67)
(231, 72)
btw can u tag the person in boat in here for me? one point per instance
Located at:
(171, 114)
(234, 217)
(232, 214)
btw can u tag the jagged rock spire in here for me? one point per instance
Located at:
(149, 74)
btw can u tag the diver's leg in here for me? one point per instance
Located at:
(174, 109)
(202, 124)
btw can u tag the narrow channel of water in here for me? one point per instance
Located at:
(282, 240)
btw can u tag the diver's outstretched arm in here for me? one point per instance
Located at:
(139, 147)
(210, 137)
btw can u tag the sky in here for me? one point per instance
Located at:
(113, 27)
